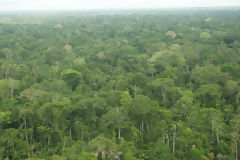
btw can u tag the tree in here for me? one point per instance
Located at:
(232, 92)
(208, 74)
(205, 35)
(104, 148)
(216, 120)
(141, 111)
(209, 94)
(5, 118)
(165, 91)
(126, 101)
(217, 123)
(185, 104)
(13, 84)
(235, 123)
(71, 77)
(26, 115)
(86, 156)
(160, 152)
(4, 89)
(116, 117)
(8, 53)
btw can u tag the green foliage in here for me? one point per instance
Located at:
(154, 85)
(86, 156)
(205, 35)
(198, 154)
(161, 152)
(72, 77)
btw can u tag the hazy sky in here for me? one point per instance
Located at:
(109, 4)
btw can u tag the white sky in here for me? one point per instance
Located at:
(109, 4)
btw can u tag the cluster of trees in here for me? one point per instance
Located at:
(153, 85)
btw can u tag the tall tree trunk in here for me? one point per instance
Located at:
(103, 155)
(70, 132)
(217, 135)
(187, 68)
(119, 133)
(6, 76)
(174, 138)
(173, 142)
(142, 126)
(13, 147)
(167, 140)
(147, 128)
(26, 136)
(163, 138)
(212, 128)
(82, 133)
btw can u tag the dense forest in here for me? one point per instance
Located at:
(120, 85)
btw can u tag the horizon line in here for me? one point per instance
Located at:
(119, 9)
